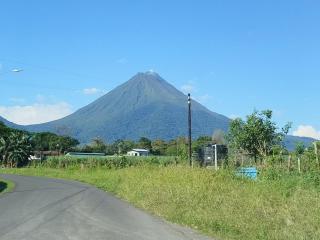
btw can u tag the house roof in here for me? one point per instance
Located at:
(140, 150)
(84, 154)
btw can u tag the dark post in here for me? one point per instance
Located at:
(189, 125)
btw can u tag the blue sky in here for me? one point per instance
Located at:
(234, 56)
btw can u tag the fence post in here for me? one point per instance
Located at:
(242, 160)
(299, 165)
(316, 152)
(289, 162)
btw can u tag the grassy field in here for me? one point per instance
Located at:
(5, 186)
(218, 204)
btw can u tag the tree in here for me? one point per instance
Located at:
(159, 147)
(257, 135)
(4, 130)
(41, 141)
(144, 143)
(120, 147)
(64, 143)
(98, 145)
(200, 142)
(15, 148)
(182, 148)
(299, 150)
(46, 141)
(171, 149)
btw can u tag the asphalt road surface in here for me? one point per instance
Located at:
(46, 209)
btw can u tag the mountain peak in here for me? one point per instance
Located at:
(148, 75)
(151, 72)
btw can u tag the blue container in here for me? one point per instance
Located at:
(249, 172)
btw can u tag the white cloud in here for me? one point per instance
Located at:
(92, 91)
(35, 113)
(188, 88)
(307, 131)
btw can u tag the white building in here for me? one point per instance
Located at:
(138, 152)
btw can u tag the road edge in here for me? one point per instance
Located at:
(9, 188)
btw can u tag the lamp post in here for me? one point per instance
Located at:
(189, 128)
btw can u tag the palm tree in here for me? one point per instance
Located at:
(15, 148)
(5, 148)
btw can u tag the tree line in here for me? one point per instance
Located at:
(257, 135)
(16, 146)
(174, 147)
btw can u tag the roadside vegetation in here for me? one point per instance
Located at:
(283, 203)
(17, 146)
(6, 186)
(219, 204)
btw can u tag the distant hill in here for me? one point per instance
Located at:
(146, 105)
(8, 123)
(291, 141)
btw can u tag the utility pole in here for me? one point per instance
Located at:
(316, 152)
(189, 126)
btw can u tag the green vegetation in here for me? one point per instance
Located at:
(157, 147)
(16, 146)
(257, 135)
(46, 141)
(108, 162)
(5, 186)
(283, 203)
(216, 203)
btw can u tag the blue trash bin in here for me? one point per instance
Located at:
(249, 172)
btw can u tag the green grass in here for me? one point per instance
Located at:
(5, 186)
(218, 204)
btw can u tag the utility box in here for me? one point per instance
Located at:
(213, 155)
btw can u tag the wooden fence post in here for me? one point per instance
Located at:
(299, 165)
(316, 152)
(289, 162)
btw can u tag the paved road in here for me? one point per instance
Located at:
(46, 209)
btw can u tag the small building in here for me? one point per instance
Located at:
(138, 152)
(85, 154)
(41, 155)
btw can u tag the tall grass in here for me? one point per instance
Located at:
(110, 162)
(279, 205)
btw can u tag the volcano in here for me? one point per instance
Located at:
(144, 106)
